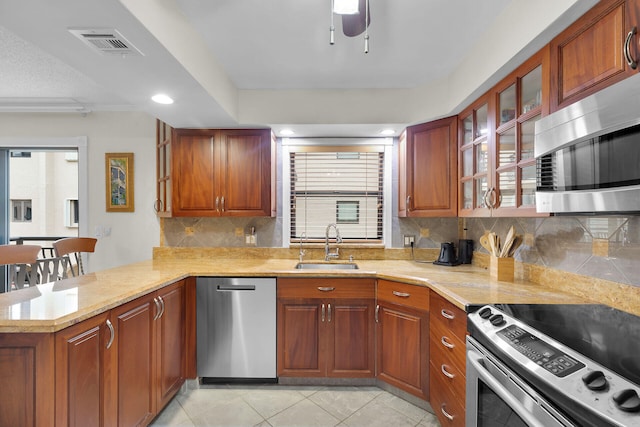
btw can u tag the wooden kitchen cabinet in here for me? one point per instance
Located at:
(325, 327)
(123, 366)
(85, 384)
(428, 170)
(497, 165)
(402, 319)
(222, 172)
(27, 379)
(164, 135)
(591, 53)
(447, 361)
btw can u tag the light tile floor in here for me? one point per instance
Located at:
(301, 406)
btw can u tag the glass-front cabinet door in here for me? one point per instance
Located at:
(519, 105)
(474, 160)
(497, 168)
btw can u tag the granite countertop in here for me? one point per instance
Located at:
(55, 306)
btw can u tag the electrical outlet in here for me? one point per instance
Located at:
(409, 239)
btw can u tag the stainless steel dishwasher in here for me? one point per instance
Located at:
(236, 328)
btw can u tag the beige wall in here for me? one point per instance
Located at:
(133, 235)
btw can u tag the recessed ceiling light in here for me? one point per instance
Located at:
(387, 132)
(161, 98)
(287, 132)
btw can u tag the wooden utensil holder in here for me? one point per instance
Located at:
(501, 268)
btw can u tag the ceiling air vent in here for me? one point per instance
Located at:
(105, 40)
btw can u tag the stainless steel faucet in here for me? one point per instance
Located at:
(327, 254)
(303, 236)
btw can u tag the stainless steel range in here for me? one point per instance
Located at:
(553, 365)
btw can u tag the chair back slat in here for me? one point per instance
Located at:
(18, 254)
(52, 269)
(73, 247)
(20, 260)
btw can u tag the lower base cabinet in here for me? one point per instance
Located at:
(448, 361)
(121, 368)
(325, 328)
(402, 319)
(26, 379)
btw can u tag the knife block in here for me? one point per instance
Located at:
(501, 268)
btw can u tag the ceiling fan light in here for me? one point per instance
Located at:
(346, 7)
(161, 98)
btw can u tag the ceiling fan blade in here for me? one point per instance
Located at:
(354, 25)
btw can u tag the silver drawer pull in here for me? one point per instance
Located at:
(447, 314)
(445, 342)
(401, 294)
(326, 288)
(112, 333)
(445, 413)
(323, 312)
(446, 373)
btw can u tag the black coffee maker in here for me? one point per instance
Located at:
(447, 255)
(465, 251)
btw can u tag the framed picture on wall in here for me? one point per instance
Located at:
(119, 178)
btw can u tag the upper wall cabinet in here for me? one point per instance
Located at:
(599, 49)
(497, 166)
(163, 169)
(221, 172)
(428, 169)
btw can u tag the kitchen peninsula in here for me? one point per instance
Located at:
(42, 327)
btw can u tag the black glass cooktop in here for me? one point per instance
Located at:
(605, 335)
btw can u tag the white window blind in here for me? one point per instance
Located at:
(341, 185)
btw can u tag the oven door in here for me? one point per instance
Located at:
(497, 397)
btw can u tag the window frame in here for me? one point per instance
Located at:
(385, 145)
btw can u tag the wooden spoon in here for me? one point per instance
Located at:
(484, 242)
(508, 241)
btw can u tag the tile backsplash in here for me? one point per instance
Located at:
(601, 247)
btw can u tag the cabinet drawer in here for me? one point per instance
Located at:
(446, 405)
(446, 365)
(325, 288)
(449, 345)
(448, 315)
(414, 296)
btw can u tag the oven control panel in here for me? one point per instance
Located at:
(543, 354)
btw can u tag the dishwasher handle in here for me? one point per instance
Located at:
(236, 287)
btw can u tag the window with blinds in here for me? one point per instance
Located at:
(341, 185)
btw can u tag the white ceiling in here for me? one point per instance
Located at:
(244, 63)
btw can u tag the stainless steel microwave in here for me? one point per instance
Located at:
(588, 154)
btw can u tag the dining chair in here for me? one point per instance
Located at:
(73, 247)
(20, 259)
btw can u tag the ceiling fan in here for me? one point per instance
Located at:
(354, 24)
(356, 18)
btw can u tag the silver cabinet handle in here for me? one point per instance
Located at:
(157, 205)
(112, 331)
(445, 413)
(328, 312)
(222, 203)
(158, 308)
(162, 306)
(326, 288)
(447, 314)
(446, 373)
(376, 313)
(485, 199)
(491, 202)
(217, 204)
(323, 312)
(445, 342)
(407, 203)
(627, 49)
(401, 294)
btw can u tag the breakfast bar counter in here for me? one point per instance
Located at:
(55, 306)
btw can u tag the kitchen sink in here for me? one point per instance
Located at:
(326, 266)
